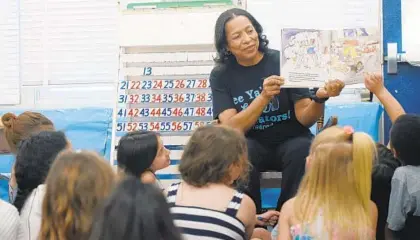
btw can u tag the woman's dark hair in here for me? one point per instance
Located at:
(405, 139)
(209, 154)
(136, 151)
(135, 211)
(220, 40)
(33, 161)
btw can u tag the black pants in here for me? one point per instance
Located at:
(288, 157)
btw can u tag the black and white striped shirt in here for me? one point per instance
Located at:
(202, 223)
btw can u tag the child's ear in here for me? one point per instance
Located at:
(394, 152)
(308, 161)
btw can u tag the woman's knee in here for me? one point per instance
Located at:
(255, 152)
(299, 147)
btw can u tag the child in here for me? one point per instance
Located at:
(33, 162)
(141, 154)
(333, 200)
(385, 167)
(9, 221)
(18, 128)
(135, 211)
(76, 186)
(205, 205)
(404, 203)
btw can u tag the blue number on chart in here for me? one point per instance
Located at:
(147, 71)
(120, 127)
(144, 112)
(188, 112)
(145, 98)
(210, 97)
(166, 112)
(189, 97)
(167, 98)
(122, 113)
(142, 126)
(123, 85)
(210, 112)
(190, 83)
(146, 84)
(122, 99)
(187, 126)
(168, 84)
(165, 126)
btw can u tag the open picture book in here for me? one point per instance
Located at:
(310, 57)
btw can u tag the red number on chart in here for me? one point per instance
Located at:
(135, 85)
(202, 83)
(179, 84)
(134, 98)
(157, 84)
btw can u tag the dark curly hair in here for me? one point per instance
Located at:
(405, 139)
(33, 161)
(223, 56)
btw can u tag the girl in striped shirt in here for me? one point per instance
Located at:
(204, 204)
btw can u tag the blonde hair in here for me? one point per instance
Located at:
(77, 184)
(338, 183)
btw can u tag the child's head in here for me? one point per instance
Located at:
(214, 154)
(338, 177)
(141, 151)
(33, 161)
(405, 139)
(135, 211)
(17, 128)
(340, 154)
(76, 185)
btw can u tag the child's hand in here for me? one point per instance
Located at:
(268, 218)
(374, 82)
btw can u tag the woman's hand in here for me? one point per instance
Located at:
(374, 82)
(271, 86)
(268, 218)
(332, 88)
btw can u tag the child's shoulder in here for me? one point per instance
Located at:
(407, 171)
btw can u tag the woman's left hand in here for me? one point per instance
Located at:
(332, 88)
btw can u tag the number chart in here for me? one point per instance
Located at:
(170, 105)
(154, 95)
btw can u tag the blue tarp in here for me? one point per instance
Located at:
(86, 128)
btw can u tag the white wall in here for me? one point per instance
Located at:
(47, 84)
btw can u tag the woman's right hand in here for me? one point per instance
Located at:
(271, 86)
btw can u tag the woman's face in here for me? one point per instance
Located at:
(242, 38)
(162, 159)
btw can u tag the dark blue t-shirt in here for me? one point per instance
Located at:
(236, 86)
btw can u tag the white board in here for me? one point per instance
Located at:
(9, 53)
(410, 19)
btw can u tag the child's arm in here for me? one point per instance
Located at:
(375, 84)
(284, 225)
